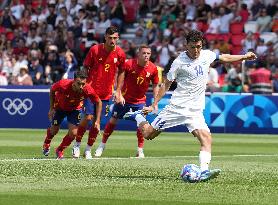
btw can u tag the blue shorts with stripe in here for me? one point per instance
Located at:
(73, 117)
(90, 108)
(119, 110)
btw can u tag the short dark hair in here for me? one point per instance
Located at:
(194, 36)
(82, 74)
(111, 30)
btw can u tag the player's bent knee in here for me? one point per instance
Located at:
(152, 135)
(89, 117)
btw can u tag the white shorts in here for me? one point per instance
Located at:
(172, 116)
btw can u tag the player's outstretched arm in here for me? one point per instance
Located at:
(232, 58)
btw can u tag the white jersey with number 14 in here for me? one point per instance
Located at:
(191, 76)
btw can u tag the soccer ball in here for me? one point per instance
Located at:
(190, 173)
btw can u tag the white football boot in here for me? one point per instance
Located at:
(75, 151)
(99, 150)
(87, 154)
(140, 153)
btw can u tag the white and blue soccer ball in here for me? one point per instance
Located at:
(191, 173)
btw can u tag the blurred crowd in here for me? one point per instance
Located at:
(43, 41)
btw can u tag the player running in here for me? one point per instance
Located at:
(139, 72)
(190, 71)
(66, 100)
(103, 62)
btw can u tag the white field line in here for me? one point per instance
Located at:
(120, 158)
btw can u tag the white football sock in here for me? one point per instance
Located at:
(88, 148)
(139, 149)
(139, 118)
(77, 144)
(102, 144)
(204, 158)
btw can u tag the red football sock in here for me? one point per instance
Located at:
(80, 132)
(48, 137)
(109, 128)
(92, 136)
(65, 142)
(140, 139)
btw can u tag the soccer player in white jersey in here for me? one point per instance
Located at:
(190, 71)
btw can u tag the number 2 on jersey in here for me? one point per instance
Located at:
(106, 67)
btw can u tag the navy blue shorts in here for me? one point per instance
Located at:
(73, 117)
(90, 108)
(119, 110)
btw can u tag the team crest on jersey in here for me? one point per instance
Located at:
(148, 75)
(115, 60)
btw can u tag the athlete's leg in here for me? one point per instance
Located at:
(205, 140)
(83, 127)
(109, 128)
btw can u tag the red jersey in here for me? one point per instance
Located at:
(137, 81)
(103, 66)
(68, 100)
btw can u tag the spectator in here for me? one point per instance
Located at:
(33, 36)
(69, 64)
(17, 9)
(64, 17)
(214, 24)
(203, 11)
(243, 14)
(23, 78)
(51, 18)
(224, 46)
(274, 23)
(36, 71)
(3, 77)
(139, 38)
(256, 8)
(261, 49)
(21, 62)
(249, 43)
(118, 13)
(263, 21)
(260, 80)
(104, 7)
(7, 20)
(165, 51)
(212, 84)
(73, 7)
(225, 19)
(233, 80)
(102, 24)
(20, 47)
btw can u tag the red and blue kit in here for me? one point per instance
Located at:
(103, 66)
(68, 100)
(137, 81)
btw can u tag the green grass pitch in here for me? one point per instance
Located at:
(249, 174)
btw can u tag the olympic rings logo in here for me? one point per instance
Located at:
(17, 106)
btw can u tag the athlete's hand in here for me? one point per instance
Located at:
(250, 56)
(147, 110)
(119, 98)
(97, 125)
(51, 113)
